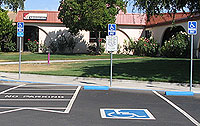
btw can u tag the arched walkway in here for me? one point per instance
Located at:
(32, 33)
(170, 31)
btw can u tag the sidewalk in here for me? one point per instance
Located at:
(126, 84)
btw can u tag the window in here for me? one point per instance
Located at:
(148, 33)
(102, 35)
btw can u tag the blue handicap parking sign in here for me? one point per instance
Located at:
(20, 29)
(112, 29)
(192, 27)
(126, 114)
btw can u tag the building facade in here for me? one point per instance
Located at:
(45, 27)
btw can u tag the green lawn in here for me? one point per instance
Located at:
(138, 68)
(146, 69)
(36, 57)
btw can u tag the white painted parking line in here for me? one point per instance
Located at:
(40, 93)
(44, 86)
(45, 89)
(72, 100)
(12, 88)
(178, 108)
(35, 99)
(33, 107)
(40, 97)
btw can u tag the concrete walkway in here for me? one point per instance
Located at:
(127, 84)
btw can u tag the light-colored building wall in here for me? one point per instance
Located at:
(49, 32)
(133, 32)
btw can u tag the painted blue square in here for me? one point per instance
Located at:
(126, 113)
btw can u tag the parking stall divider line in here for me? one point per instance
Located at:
(59, 108)
(45, 110)
(39, 93)
(69, 106)
(178, 108)
(34, 99)
(14, 110)
(12, 88)
(48, 89)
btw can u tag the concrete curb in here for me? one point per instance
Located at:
(177, 93)
(96, 88)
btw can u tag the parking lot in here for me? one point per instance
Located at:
(63, 105)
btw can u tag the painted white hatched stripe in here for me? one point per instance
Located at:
(40, 93)
(46, 89)
(35, 99)
(69, 106)
(12, 88)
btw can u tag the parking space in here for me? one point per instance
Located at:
(50, 105)
(40, 97)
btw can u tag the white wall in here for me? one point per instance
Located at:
(134, 32)
(53, 30)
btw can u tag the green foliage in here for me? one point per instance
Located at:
(145, 47)
(43, 48)
(155, 7)
(93, 48)
(32, 45)
(10, 47)
(53, 46)
(67, 41)
(89, 15)
(64, 42)
(7, 33)
(177, 46)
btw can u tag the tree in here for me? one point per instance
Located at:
(13, 4)
(7, 33)
(156, 7)
(89, 15)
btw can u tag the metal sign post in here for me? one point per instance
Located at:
(111, 46)
(191, 62)
(20, 34)
(192, 30)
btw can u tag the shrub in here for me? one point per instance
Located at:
(53, 47)
(43, 48)
(92, 49)
(176, 46)
(32, 45)
(10, 47)
(145, 47)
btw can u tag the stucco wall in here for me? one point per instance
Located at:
(134, 32)
(49, 32)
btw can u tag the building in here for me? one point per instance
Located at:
(45, 27)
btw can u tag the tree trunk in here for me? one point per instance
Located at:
(97, 42)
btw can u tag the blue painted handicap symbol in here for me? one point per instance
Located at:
(126, 114)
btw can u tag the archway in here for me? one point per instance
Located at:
(124, 34)
(32, 33)
(170, 31)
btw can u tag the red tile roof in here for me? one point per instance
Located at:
(166, 18)
(131, 19)
(122, 19)
(52, 17)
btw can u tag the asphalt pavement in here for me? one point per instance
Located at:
(46, 105)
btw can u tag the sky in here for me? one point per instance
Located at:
(50, 5)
